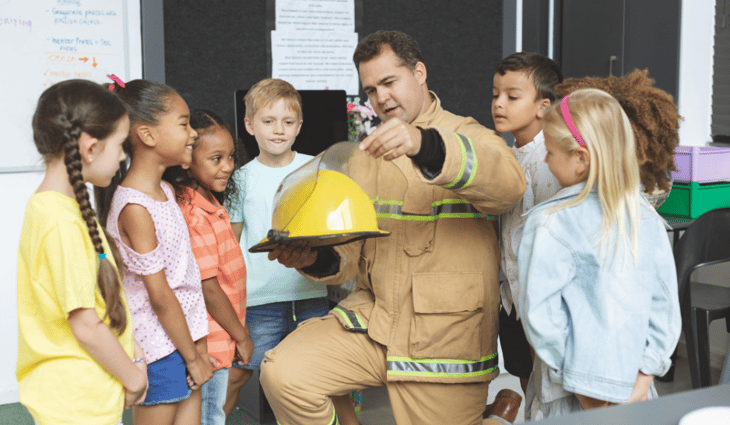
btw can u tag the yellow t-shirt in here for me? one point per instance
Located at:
(60, 383)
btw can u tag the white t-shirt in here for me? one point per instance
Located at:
(266, 281)
(541, 186)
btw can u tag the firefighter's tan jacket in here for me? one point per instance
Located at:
(429, 291)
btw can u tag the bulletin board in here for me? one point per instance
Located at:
(216, 47)
(47, 41)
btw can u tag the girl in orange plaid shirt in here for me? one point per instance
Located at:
(201, 190)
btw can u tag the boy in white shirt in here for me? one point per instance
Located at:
(278, 298)
(522, 90)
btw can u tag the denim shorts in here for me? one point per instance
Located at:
(167, 379)
(268, 324)
(214, 397)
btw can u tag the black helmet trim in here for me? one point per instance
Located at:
(318, 241)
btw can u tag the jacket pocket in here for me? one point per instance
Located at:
(419, 237)
(420, 224)
(449, 316)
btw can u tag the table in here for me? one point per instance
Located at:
(665, 410)
(678, 224)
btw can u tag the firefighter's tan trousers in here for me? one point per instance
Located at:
(321, 358)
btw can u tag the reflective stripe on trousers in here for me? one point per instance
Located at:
(446, 368)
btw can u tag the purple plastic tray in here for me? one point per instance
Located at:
(702, 164)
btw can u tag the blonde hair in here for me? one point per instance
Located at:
(268, 91)
(614, 169)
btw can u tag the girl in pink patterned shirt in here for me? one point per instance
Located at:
(161, 276)
(200, 191)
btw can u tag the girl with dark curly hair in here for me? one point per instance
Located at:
(654, 120)
(201, 190)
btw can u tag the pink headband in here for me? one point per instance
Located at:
(116, 80)
(569, 122)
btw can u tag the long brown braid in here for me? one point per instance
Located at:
(65, 111)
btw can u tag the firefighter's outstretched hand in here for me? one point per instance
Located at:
(393, 138)
(296, 255)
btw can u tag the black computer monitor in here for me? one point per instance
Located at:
(325, 121)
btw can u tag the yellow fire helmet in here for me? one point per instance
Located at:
(327, 201)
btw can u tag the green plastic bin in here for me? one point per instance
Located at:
(692, 199)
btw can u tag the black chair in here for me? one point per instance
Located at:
(705, 242)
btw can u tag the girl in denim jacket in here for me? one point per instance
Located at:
(599, 289)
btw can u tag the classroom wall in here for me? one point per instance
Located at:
(695, 105)
(214, 48)
(696, 43)
(246, 34)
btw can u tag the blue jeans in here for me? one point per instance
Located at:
(268, 324)
(214, 396)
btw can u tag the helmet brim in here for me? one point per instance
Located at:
(317, 241)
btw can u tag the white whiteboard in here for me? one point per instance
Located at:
(43, 42)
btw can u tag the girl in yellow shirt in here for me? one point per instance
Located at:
(75, 345)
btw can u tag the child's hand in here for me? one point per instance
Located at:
(200, 370)
(133, 396)
(244, 351)
(641, 388)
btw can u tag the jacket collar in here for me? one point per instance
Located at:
(570, 191)
(433, 109)
(536, 143)
(566, 192)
